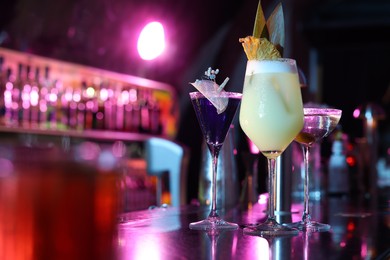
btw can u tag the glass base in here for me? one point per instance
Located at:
(309, 226)
(213, 223)
(270, 228)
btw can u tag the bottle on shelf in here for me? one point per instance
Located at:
(51, 100)
(16, 96)
(8, 98)
(34, 99)
(81, 106)
(25, 98)
(89, 95)
(135, 111)
(109, 109)
(145, 115)
(42, 103)
(66, 99)
(155, 114)
(120, 99)
(78, 110)
(338, 175)
(99, 117)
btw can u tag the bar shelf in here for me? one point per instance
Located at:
(47, 96)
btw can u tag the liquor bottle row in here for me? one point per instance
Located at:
(29, 97)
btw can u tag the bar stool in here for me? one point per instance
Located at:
(163, 156)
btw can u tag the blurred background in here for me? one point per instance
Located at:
(341, 46)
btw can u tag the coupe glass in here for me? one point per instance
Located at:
(215, 126)
(319, 123)
(271, 116)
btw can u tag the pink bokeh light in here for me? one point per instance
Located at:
(151, 41)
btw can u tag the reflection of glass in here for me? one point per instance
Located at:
(280, 247)
(213, 235)
(319, 122)
(215, 126)
(261, 250)
(306, 236)
(271, 247)
(271, 116)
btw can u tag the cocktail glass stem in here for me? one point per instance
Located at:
(213, 221)
(271, 189)
(215, 154)
(271, 227)
(306, 224)
(306, 214)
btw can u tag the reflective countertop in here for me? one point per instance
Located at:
(360, 230)
(57, 204)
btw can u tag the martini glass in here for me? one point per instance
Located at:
(215, 125)
(319, 123)
(271, 115)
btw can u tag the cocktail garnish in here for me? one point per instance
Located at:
(220, 88)
(267, 41)
(275, 25)
(260, 29)
(211, 90)
(259, 48)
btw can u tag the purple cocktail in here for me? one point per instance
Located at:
(215, 124)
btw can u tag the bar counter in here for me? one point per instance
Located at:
(65, 204)
(358, 232)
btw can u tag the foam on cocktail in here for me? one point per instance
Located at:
(270, 66)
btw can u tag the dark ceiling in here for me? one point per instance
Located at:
(350, 21)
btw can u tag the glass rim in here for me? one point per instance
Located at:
(231, 94)
(322, 110)
(289, 60)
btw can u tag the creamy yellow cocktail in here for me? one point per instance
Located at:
(271, 112)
